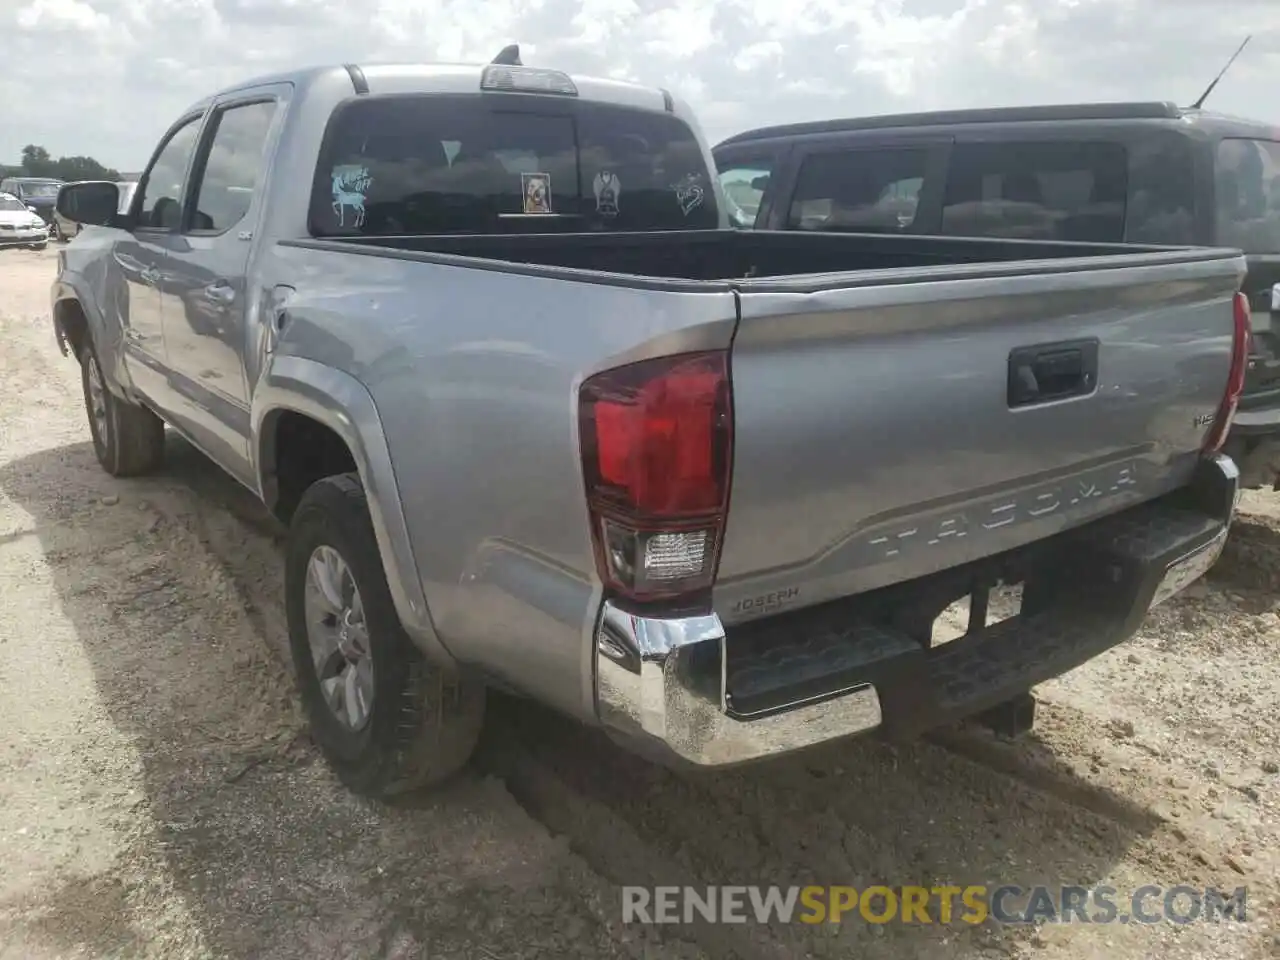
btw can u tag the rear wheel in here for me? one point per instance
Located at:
(385, 719)
(128, 439)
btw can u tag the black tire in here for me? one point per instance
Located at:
(130, 440)
(421, 729)
(39, 246)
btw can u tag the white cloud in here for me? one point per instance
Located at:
(60, 15)
(754, 56)
(105, 77)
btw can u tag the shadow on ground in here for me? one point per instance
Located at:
(1251, 557)
(246, 847)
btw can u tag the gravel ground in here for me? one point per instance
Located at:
(161, 798)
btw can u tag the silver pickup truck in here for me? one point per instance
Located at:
(538, 421)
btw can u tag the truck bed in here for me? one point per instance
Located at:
(725, 255)
(879, 436)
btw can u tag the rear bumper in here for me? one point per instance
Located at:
(686, 690)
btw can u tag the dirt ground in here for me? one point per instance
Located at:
(161, 799)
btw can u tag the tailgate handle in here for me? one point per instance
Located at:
(1052, 371)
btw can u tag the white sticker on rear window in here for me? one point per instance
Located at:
(607, 187)
(537, 192)
(689, 193)
(350, 185)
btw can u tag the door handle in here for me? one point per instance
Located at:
(220, 292)
(1052, 371)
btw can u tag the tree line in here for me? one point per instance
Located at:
(36, 162)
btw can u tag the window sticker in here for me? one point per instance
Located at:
(537, 192)
(607, 188)
(350, 185)
(689, 193)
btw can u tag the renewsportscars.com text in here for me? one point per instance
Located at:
(1005, 904)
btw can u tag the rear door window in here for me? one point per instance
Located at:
(1247, 194)
(1044, 190)
(863, 191)
(233, 167)
(422, 164)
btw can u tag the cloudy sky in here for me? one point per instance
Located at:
(116, 72)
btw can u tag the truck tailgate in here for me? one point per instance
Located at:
(892, 424)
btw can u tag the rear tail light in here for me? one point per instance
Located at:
(1241, 346)
(657, 440)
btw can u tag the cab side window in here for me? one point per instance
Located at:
(1048, 190)
(862, 191)
(163, 188)
(234, 167)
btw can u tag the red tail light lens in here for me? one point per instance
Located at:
(1241, 345)
(657, 440)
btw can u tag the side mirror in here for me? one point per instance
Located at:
(760, 183)
(32, 209)
(92, 204)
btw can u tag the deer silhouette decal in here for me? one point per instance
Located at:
(350, 184)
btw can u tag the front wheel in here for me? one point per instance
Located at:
(127, 439)
(40, 246)
(385, 719)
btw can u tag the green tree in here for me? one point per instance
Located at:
(83, 168)
(36, 162)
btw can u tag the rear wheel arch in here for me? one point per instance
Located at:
(295, 450)
(301, 404)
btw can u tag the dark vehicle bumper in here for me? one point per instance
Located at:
(691, 691)
(1254, 440)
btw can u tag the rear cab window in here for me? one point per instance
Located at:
(1247, 194)
(427, 164)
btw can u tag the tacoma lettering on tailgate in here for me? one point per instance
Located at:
(1060, 497)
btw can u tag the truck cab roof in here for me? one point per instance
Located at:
(1146, 112)
(390, 78)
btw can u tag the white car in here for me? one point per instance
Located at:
(20, 225)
